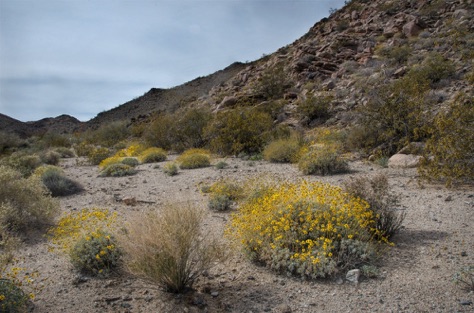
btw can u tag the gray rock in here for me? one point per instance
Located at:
(411, 29)
(404, 161)
(353, 276)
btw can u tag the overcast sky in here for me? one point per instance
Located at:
(82, 57)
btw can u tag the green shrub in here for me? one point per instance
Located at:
(83, 149)
(25, 164)
(273, 83)
(24, 203)
(130, 162)
(52, 139)
(152, 155)
(118, 170)
(170, 247)
(322, 162)
(239, 130)
(170, 169)
(96, 254)
(219, 202)
(50, 157)
(305, 229)
(161, 131)
(97, 155)
(221, 165)
(9, 142)
(433, 69)
(383, 203)
(59, 185)
(449, 152)
(108, 134)
(282, 151)
(315, 107)
(12, 298)
(65, 152)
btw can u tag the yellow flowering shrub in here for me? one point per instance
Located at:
(223, 193)
(133, 150)
(152, 155)
(73, 226)
(14, 281)
(307, 229)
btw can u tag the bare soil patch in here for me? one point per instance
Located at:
(436, 241)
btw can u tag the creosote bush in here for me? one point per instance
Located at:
(383, 203)
(306, 229)
(449, 153)
(96, 254)
(25, 203)
(170, 247)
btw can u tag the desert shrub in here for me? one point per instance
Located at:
(396, 55)
(219, 202)
(395, 115)
(64, 152)
(39, 171)
(194, 158)
(433, 69)
(25, 164)
(24, 202)
(161, 132)
(449, 150)
(53, 139)
(152, 155)
(83, 149)
(170, 169)
(315, 107)
(50, 157)
(131, 150)
(9, 141)
(12, 298)
(96, 253)
(189, 128)
(282, 150)
(236, 131)
(108, 134)
(170, 247)
(383, 203)
(322, 162)
(118, 170)
(465, 277)
(130, 162)
(98, 154)
(273, 83)
(221, 165)
(58, 184)
(74, 226)
(306, 229)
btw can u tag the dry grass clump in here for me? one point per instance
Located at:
(194, 158)
(25, 203)
(170, 169)
(383, 203)
(282, 150)
(322, 161)
(169, 247)
(152, 155)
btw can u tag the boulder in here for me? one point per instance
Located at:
(411, 29)
(353, 276)
(404, 161)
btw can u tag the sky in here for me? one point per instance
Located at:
(82, 57)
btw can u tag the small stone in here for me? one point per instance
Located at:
(465, 302)
(353, 276)
(283, 308)
(214, 294)
(463, 253)
(448, 198)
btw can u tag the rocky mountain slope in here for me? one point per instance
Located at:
(359, 48)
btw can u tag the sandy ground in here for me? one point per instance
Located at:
(436, 241)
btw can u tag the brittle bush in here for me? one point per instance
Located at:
(194, 158)
(306, 229)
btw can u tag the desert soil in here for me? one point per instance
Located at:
(416, 274)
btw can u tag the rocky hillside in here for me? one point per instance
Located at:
(61, 124)
(358, 49)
